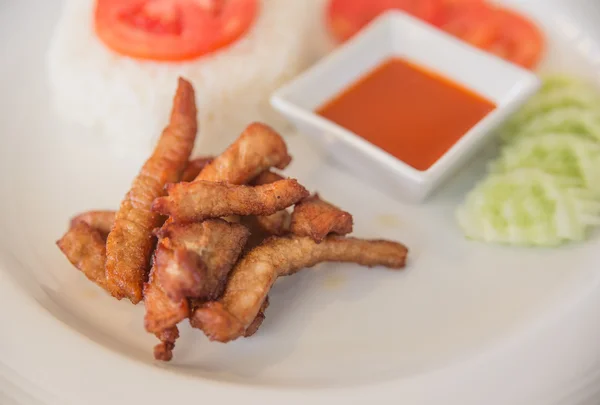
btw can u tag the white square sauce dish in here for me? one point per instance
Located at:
(443, 99)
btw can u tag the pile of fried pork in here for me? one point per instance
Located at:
(206, 239)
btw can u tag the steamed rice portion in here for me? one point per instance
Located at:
(127, 101)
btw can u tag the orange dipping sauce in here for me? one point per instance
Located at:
(411, 113)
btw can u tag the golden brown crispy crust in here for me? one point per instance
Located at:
(277, 224)
(164, 350)
(161, 312)
(255, 274)
(266, 177)
(257, 149)
(202, 255)
(194, 167)
(200, 200)
(180, 280)
(317, 218)
(250, 330)
(130, 242)
(257, 322)
(85, 247)
(102, 221)
(257, 233)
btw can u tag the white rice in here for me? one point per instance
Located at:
(128, 101)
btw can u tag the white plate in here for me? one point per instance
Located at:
(465, 324)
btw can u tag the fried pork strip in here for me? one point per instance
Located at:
(194, 168)
(257, 232)
(161, 312)
(317, 218)
(260, 318)
(102, 221)
(201, 256)
(200, 200)
(190, 259)
(85, 247)
(266, 177)
(252, 328)
(277, 224)
(164, 350)
(253, 276)
(257, 149)
(130, 242)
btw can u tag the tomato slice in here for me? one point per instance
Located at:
(447, 8)
(471, 23)
(346, 17)
(496, 30)
(517, 39)
(172, 30)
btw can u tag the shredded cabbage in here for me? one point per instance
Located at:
(569, 120)
(574, 96)
(554, 81)
(567, 156)
(528, 207)
(544, 189)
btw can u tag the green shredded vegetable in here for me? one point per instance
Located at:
(564, 155)
(569, 120)
(544, 188)
(528, 207)
(574, 97)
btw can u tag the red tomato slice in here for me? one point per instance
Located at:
(517, 39)
(498, 31)
(447, 8)
(346, 17)
(471, 23)
(172, 30)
